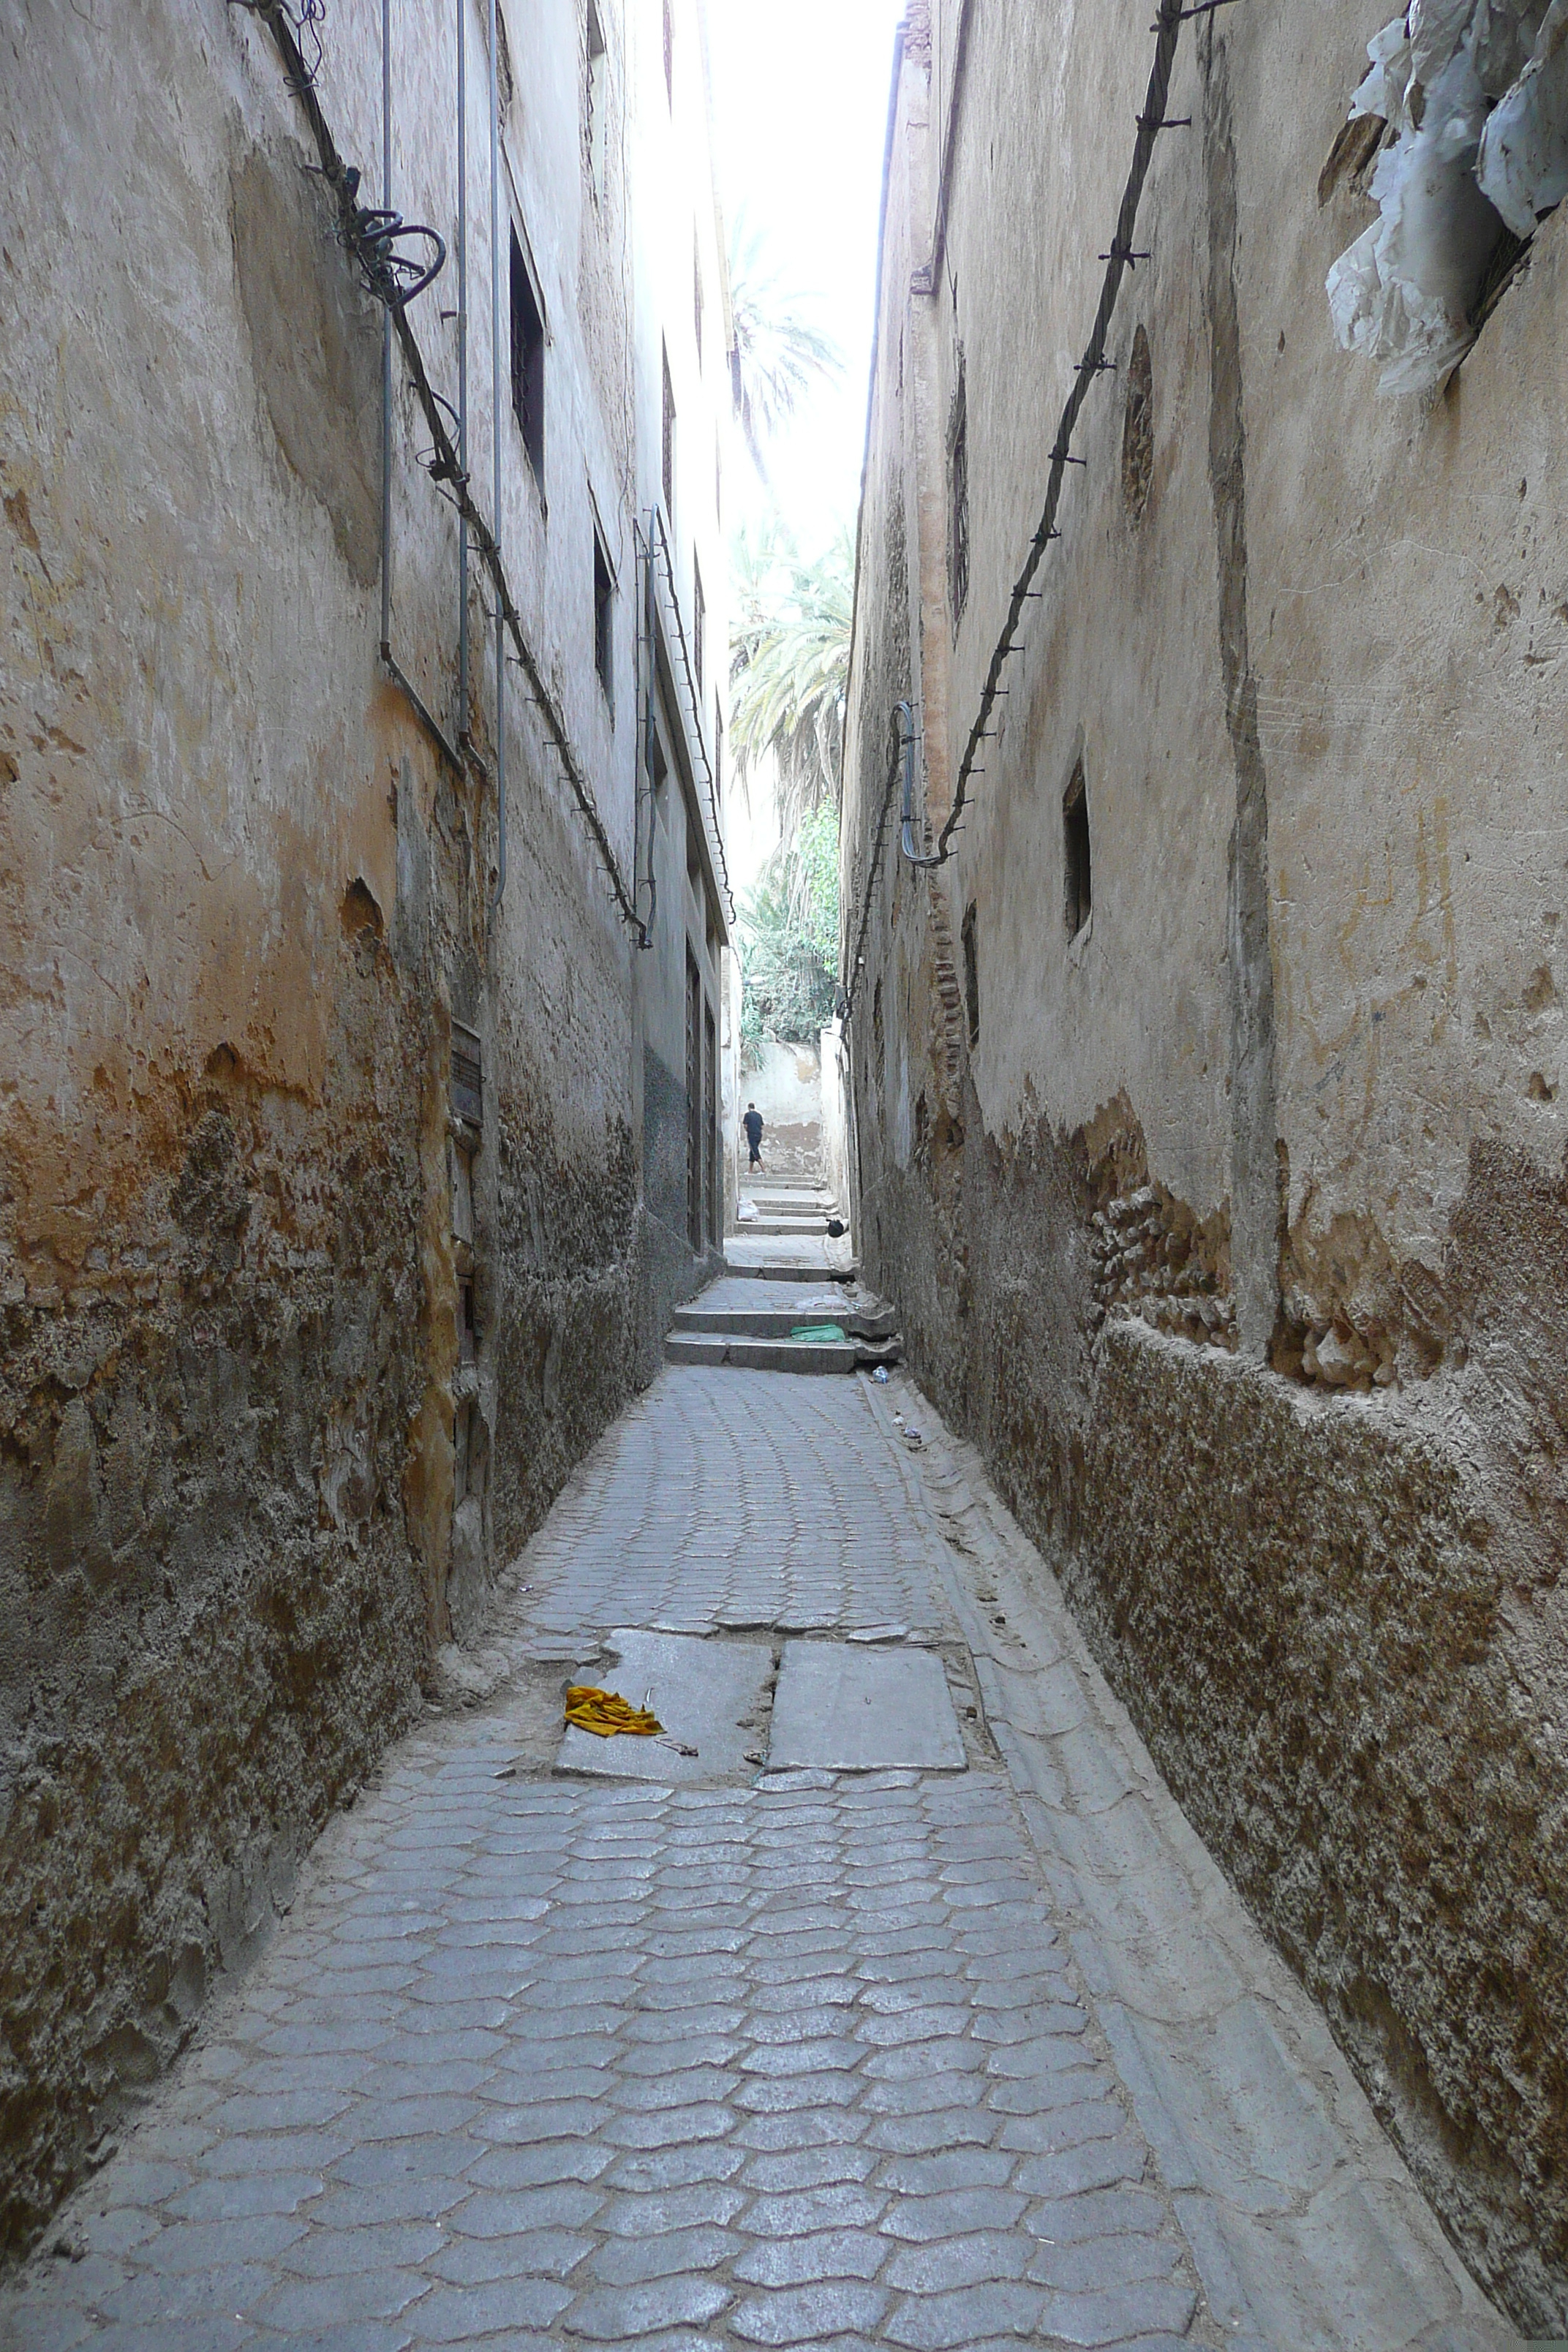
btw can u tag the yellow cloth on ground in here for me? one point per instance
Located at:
(606, 1712)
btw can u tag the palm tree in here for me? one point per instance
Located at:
(775, 352)
(789, 668)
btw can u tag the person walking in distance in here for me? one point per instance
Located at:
(753, 1123)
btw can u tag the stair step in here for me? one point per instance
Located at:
(783, 1271)
(803, 1228)
(761, 1355)
(778, 1322)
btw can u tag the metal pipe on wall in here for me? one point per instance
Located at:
(386, 341)
(496, 418)
(462, 729)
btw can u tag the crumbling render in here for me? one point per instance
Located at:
(1153, 1258)
(1474, 95)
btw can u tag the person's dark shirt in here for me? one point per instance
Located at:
(753, 1123)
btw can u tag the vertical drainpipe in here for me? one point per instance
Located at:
(387, 343)
(496, 424)
(462, 365)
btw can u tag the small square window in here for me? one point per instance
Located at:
(527, 362)
(604, 621)
(1075, 853)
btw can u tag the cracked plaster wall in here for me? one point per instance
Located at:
(1238, 1239)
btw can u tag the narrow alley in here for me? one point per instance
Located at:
(708, 2040)
(784, 1175)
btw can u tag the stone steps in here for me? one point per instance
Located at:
(778, 1322)
(754, 1336)
(762, 1355)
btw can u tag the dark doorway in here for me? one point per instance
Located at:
(710, 1123)
(693, 1102)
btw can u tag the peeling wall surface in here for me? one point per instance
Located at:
(1207, 1120)
(329, 1233)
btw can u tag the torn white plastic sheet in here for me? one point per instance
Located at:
(1442, 78)
(1523, 160)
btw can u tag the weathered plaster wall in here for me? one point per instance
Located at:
(786, 1087)
(255, 1467)
(1235, 1235)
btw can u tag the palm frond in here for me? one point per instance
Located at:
(789, 668)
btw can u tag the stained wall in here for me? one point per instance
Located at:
(301, 1337)
(1230, 1222)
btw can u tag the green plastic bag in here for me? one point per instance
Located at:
(818, 1331)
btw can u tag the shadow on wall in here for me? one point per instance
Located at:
(786, 1087)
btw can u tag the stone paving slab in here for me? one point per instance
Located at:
(710, 1697)
(545, 2063)
(844, 1710)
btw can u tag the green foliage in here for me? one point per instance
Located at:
(776, 354)
(789, 666)
(788, 929)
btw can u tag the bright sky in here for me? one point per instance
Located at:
(800, 101)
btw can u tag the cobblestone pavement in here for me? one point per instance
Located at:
(738, 1500)
(809, 2059)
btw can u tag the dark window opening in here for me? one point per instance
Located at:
(659, 778)
(1075, 852)
(971, 977)
(595, 99)
(468, 1324)
(922, 1121)
(669, 52)
(527, 363)
(878, 1044)
(699, 623)
(1138, 429)
(958, 499)
(666, 451)
(604, 618)
(693, 853)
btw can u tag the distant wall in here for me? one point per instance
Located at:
(786, 1087)
(836, 1112)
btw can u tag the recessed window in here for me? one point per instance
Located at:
(527, 362)
(699, 623)
(667, 445)
(1138, 429)
(669, 52)
(958, 498)
(595, 99)
(971, 976)
(604, 620)
(1075, 852)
